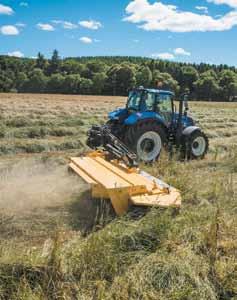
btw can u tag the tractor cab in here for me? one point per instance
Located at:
(145, 101)
(152, 104)
(159, 104)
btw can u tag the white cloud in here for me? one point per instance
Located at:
(181, 51)
(56, 21)
(231, 3)
(16, 54)
(9, 30)
(45, 27)
(6, 10)
(86, 40)
(165, 55)
(20, 25)
(169, 55)
(69, 25)
(25, 4)
(65, 24)
(94, 25)
(202, 8)
(162, 17)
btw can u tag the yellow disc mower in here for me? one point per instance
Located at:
(124, 185)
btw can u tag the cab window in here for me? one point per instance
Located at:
(149, 101)
(164, 106)
(134, 100)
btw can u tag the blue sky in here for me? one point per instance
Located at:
(178, 30)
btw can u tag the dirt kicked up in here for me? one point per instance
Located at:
(30, 185)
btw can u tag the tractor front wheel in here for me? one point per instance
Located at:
(146, 140)
(196, 145)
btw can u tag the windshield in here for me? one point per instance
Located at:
(134, 100)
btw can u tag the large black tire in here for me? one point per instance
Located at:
(195, 146)
(146, 139)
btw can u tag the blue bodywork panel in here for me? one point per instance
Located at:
(135, 117)
(118, 113)
(186, 120)
(131, 119)
(138, 116)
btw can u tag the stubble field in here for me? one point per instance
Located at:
(53, 244)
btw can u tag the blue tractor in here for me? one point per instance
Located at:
(150, 122)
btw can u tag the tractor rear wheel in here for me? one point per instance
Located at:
(146, 140)
(196, 145)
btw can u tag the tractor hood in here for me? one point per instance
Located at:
(186, 120)
(135, 117)
(118, 114)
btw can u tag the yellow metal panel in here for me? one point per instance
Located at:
(100, 173)
(98, 191)
(82, 174)
(163, 200)
(132, 178)
(120, 200)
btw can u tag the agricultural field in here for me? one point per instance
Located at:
(56, 244)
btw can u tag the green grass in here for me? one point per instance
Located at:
(164, 254)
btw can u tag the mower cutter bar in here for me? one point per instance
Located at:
(122, 185)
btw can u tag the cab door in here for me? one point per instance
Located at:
(164, 107)
(148, 101)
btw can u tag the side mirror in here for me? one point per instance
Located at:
(175, 108)
(185, 101)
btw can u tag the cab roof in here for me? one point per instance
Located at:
(156, 91)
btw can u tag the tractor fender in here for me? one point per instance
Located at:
(155, 121)
(189, 130)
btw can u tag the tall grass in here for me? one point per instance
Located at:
(66, 248)
(163, 254)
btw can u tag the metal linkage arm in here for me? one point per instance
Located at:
(102, 137)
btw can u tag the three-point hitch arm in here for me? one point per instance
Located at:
(101, 136)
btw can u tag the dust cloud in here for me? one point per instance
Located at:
(29, 185)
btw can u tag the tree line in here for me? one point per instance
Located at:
(115, 76)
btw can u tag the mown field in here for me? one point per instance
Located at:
(55, 245)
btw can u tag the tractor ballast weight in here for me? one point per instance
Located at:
(149, 123)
